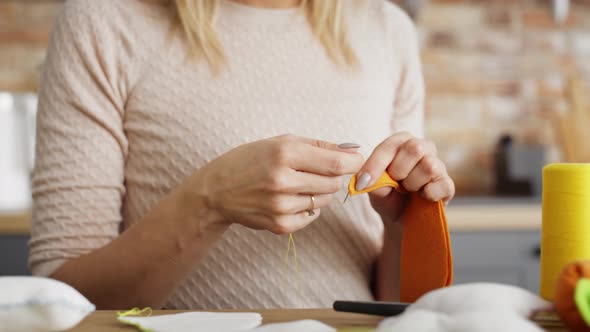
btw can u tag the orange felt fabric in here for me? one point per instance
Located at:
(426, 258)
(564, 295)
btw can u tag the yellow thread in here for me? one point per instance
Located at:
(286, 261)
(296, 265)
(135, 312)
(566, 221)
(295, 258)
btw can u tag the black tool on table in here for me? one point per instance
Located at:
(378, 308)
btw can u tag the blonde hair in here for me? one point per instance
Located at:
(326, 18)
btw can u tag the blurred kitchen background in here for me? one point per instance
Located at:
(507, 92)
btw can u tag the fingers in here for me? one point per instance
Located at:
(342, 147)
(317, 166)
(428, 169)
(316, 156)
(326, 162)
(309, 183)
(417, 166)
(381, 157)
(412, 161)
(310, 141)
(293, 204)
(408, 156)
(285, 224)
(268, 184)
(289, 181)
(440, 189)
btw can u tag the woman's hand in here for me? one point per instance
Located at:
(411, 161)
(268, 184)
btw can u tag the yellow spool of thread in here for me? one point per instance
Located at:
(566, 221)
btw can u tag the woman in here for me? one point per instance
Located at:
(163, 153)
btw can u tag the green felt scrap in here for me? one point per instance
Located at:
(582, 298)
(356, 329)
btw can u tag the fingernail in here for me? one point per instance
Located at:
(349, 146)
(362, 181)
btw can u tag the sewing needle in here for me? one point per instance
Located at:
(348, 146)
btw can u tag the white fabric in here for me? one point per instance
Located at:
(35, 304)
(478, 307)
(307, 325)
(196, 322)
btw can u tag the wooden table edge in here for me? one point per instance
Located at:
(106, 320)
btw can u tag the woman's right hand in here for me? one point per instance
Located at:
(268, 184)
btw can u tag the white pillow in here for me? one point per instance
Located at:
(35, 304)
(478, 307)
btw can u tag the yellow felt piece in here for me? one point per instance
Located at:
(426, 258)
(384, 181)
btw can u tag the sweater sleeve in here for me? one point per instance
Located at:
(78, 180)
(408, 114)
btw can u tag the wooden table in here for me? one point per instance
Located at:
(105, 321)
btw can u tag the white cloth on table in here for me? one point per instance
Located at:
(196, 322)
(307, 325)
(220, 322)
(478, 307)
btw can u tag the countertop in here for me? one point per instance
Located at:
(105, 321)
(15, 223)
(463, 214)
(494, 214)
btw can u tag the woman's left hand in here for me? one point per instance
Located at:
(412, 162)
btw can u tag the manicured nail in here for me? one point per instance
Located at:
(349, 146)
(362, 181)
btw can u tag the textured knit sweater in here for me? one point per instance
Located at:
(125, 115)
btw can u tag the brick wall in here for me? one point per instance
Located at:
(491, 67)
(24, 30)
(494, 68)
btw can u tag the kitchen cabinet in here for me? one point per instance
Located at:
(496, 240)
(14, 255)
(14, 237)
(509, 257)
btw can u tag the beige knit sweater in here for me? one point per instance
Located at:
(124, 117)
